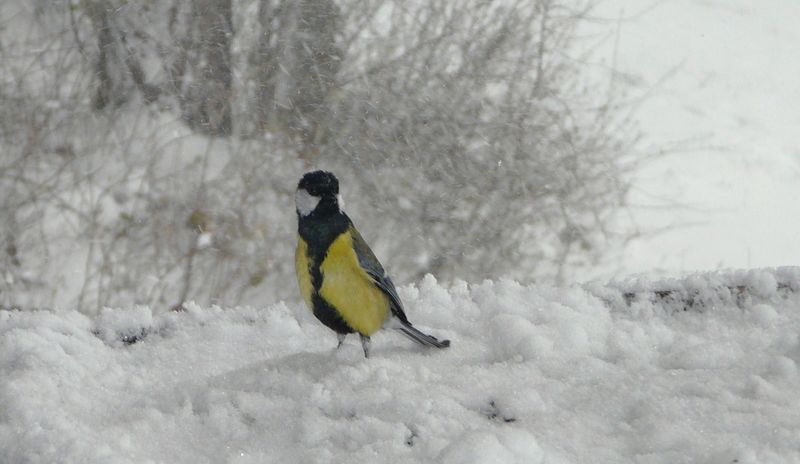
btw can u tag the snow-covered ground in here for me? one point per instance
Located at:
(722, 75)
(535, 374)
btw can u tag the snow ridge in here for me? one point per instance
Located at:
(535, 374)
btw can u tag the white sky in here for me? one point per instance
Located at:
(736, 90)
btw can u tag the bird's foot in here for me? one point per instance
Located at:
(365, 343)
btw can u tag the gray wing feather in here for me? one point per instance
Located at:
(370, 263)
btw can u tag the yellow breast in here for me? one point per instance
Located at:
(349, 289)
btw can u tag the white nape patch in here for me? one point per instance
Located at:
(305, 202)
(340, 202)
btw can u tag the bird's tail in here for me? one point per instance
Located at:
(423, 339)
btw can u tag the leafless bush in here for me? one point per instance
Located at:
(150, 149)
(471, 124)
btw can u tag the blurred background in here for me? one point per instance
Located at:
(149, 150)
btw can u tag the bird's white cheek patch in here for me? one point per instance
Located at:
(305, 202)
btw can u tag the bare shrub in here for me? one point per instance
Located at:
(150, 149)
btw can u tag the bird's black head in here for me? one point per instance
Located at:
(317, 191)
(319, 183)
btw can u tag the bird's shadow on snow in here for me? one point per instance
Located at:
(292, 376)
(284, 376)
(307, 366)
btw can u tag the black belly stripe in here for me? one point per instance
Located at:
(316, 274)
(319, 231)
(329, 316)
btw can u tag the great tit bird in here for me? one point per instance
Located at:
(340, 278)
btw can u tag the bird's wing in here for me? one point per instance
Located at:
(373, 268)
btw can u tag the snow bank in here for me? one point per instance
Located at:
(535, 375)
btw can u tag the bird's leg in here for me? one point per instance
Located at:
(340, 337)
(365, 344)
